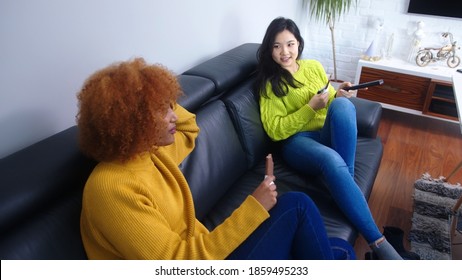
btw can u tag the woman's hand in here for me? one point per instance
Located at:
(343, 93)
(266, 193)
(319, 101)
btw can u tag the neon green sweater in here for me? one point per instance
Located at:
(143, 209)
(284, 116)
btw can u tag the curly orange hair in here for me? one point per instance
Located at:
(122, 107)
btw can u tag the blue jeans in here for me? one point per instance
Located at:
(330, 152)
(294, 230)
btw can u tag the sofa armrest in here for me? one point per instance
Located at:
(368, 115)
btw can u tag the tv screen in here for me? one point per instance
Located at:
(444, 8)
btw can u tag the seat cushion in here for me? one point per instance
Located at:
(336, 223)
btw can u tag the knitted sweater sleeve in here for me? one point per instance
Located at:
(187, 132)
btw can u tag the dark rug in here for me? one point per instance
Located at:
(432, 217)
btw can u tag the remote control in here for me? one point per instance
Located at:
(364, 85)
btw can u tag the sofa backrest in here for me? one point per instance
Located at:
(218, 159)
(40, 199)
(229, 68)
(244, 110)
(196, 91)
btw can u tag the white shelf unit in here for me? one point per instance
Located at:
(425, 80)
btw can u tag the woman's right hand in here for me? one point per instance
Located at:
(266, 193)
(319, 101)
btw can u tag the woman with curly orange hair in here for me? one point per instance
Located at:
(137, 203)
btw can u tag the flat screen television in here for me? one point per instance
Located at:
(443, 8)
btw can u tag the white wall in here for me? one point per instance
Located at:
(48, 47)
(355, 31)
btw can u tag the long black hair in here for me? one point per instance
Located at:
(268, 69)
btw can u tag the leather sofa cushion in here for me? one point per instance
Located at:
(369, 153)
(229, 68)
(53, 234)
(287, 180)
(41, 198)
(36, 176)
(218, 159)
(244, 111)
(196, 91)
(368, 115)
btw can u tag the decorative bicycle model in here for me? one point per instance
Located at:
(448, 52)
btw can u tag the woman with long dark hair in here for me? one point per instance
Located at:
(314, 123)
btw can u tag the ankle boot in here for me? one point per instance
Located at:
(370, 256)
(395, 236)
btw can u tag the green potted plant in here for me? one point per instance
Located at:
(328, 11)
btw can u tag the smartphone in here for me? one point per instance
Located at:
(324, 88)
(269, 168)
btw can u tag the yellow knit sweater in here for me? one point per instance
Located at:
(143, 209)
(284, 116)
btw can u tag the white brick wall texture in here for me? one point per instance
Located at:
(355, 31)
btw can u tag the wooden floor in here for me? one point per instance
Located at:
(413, 145)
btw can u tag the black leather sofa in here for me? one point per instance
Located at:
(41, 186)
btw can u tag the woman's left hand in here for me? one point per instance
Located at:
(343, 93)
